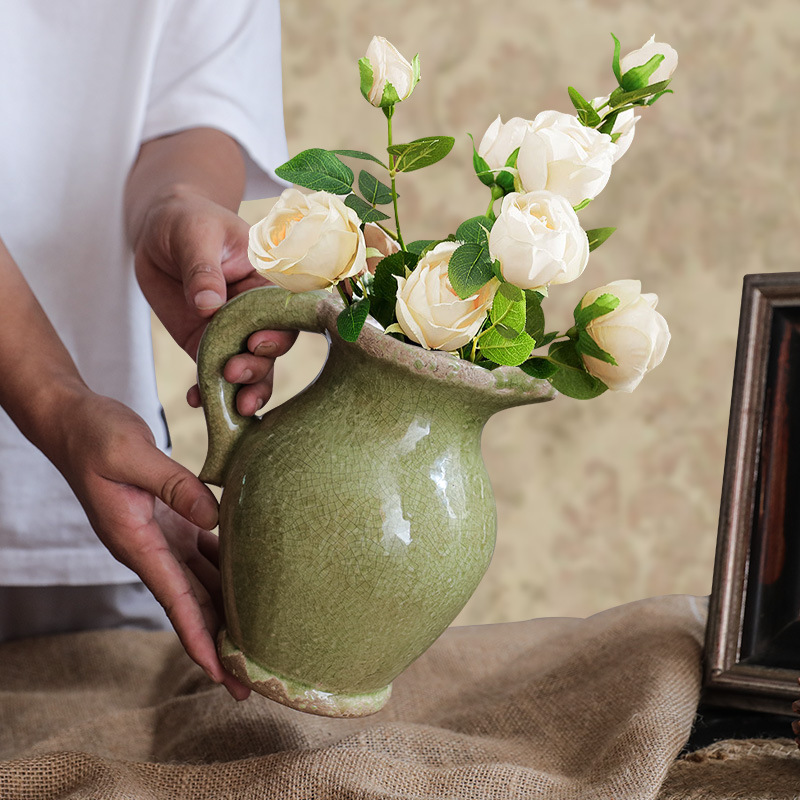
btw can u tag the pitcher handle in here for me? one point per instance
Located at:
(264, 308)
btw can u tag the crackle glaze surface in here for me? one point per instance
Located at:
(357, 518)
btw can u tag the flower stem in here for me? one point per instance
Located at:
(389, 113)
(343, 293)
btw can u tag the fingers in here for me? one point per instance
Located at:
(173, 484)
(271, 344)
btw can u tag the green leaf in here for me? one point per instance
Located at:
(351, 320)
(359, 154)
(539, 367)
(480, 166)
(582, 204)
(470, 268)
(547, 338)
(319, 170)
(383, 289)
(615, 59)
(506, 331)
(512, 293)
(589, 347)
(507, 352)
(421, 152)
(602, 305)
(419, 245)
(534, 316)
(364, 210)
(597, 236)
(474, 230)
(366, 73)
(619, 97)
(639, 77)
(586, 113)
(373, 191)
(508, 311)
(571, 378)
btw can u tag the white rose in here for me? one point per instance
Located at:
(430, 312)
(563, 156)
(388, 66)
(502, 139)
(538, 240)
(624, 125)
(308, 241)
(634, 333)
(641, 56)
(375, 236)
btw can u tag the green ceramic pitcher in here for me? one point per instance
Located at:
(357, 518)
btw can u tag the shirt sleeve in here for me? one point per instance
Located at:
(218, 65)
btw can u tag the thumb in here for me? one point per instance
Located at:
(177, 487)
(200, 248)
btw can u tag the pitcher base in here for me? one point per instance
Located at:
(294, 694)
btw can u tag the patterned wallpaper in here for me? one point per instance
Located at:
(603, 501)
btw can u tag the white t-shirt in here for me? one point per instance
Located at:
(82, 84)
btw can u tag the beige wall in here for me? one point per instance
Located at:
(604, 501)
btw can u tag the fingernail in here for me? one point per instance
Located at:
(247, 375)
(266, 349)
(208, 299)
(199, 514)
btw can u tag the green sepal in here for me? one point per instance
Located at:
(365, 211)
(582, 204)
(496, 271)
(366, 73)
(571, 377)
(416, 72)
(534, 315)
(609, 122)
(615, 136)
(474, 230)
(470, 269)
(390, 97)
(480, 166)
(601, 306)
(539, 367)
(507, 352)
(359, 154)
(421, 152)
(506, 181)
(639, 77)
(372, 190)
(619, 97)
(587, 346)
(319, 170)
(351, 320)
(383, 290)
(597, 236)
(419, 245)
(615, 60)
(511, 161)
(587, 115)
(657, 95)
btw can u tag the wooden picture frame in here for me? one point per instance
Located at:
(753, 635)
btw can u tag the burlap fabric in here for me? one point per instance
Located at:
(551, 708)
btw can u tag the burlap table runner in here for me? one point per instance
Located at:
(550, 708)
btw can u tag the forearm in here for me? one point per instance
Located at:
(200, 161)
(39, 375)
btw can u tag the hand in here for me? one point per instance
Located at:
(151, 513)
(191, 256)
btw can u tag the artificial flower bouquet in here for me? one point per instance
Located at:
(478, 292)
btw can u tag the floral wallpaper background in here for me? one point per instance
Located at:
(609, 500)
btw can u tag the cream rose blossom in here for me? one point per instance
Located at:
(307, 242)
(502, 139)
(563, 156)
(634, 333)
(538, 240)
(649, 49)
(431, 313)
(388, 66)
